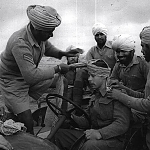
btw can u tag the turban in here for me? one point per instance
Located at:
(43, 17)
(145, 35)
(98, 67)
(123, 42)
(98, 27)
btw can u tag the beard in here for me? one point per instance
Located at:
(147, 58)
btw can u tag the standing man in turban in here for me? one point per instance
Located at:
(110, 119)
(103, 50)
(20, 75)
(140, 104)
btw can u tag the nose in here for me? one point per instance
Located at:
(51, 34)
(90, 78)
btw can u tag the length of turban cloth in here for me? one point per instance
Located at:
(43, 17)
(98, 27)
(145, 35)
(123, 42)
(98, 67)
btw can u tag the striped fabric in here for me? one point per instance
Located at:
(98, 67)
(145, 35)
(43, 17)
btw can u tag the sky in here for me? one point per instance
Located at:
(78, 17)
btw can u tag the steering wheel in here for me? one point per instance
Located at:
(64, 114)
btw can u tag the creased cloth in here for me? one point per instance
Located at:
(101, 69)
(145, 35)
(43, 17)
(123, 42)
(99, 27)
(10, 127)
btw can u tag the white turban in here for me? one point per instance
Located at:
(98, 27)
(43, 17)
(145, 35)
(124, 42)
(98, 67)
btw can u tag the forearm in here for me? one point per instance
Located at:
(139, 104)
(52, 51)
(133, 93)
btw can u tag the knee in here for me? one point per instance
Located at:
(26, 118)
(88, 145)
(58, 138)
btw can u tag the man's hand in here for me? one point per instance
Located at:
(4, 144)
(114, 94)
(72, 53)
(92, 134)
(114, 83)
(64, 68)
(118, 85)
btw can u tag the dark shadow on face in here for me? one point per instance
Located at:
(41, 35)
(100, 38)
(125, 57)
(146, 51)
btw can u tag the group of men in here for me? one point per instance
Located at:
(22, 78)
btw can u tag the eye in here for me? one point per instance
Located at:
(117, 50)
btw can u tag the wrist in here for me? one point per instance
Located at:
(62, 53)
(99, 136)
(57, 69)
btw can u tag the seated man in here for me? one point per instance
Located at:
(109, 118)
(70, 75)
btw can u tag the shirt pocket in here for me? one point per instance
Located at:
(105, 111)
(136, 83)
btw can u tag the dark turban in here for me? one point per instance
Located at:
(43, 17)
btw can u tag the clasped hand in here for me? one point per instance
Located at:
(92, 134)
(72, 53)
(115, 86)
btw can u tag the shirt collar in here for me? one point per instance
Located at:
(30, 36)
(107, 44)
